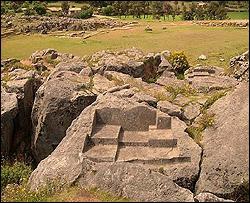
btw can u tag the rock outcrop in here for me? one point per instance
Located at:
(58, 101)
(225, 165)
(9, 110)
(129, 61)
(208, 197)
(104, 138)
(239, 65)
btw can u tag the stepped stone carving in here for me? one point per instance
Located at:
(138, 135)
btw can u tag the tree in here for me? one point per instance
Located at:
(40, 8)
(157, 9)
(167, 9)
(65, 7)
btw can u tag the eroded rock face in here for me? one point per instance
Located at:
(240, 66)
(208, 197)
(77, 160)
(9, 110)
(130, 61)
(206, 78)
(58, 101)
(225, 164)
(137, 183)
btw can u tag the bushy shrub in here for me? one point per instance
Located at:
(108, 11)
(14, 173)
(3, 10)
(86, 14)
(40, 8)
(179, 62)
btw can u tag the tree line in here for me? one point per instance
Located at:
(188, 10)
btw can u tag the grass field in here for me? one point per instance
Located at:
(238, 15)
(194, 40)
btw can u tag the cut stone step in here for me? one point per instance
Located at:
(106, 134)
(102, 153)
(149, 155)
(152, 138)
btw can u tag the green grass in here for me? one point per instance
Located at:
(238, 15)
(194, 40)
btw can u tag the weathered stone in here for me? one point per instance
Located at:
(137, 183)
(86, 72)
(58, 101)
(25, 90)
(226, 151)
(191, 111)
(208, 197)
(140, 97)
(169, 108)
(76, 66)
(9, 110)
(240, 66)
(202, 57)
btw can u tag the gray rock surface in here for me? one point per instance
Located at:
(137, 183)
(191, 111)
(25, 90)
(129, 61)
(169, 108)
(240, 66)
(58, 101)
(9, 110)
(208, 197)
(225, 164)
(68, 163)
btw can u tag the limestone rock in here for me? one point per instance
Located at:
(129, 61)
(137, 183)
(225, 165)
(25, 90)
(9, 110)
(75, 66)
(169, 108)
(240, 66)
(58, 101)
(208, 197)
(206, 78)
(202, 57)
(191, 111)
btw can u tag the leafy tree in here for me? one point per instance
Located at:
(65, 7)
(108, 10)
(167, 9)
(39, 8)
(157, 9)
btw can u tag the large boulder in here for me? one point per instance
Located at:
(129, 61)
(69, 162)
(208, 197)
(9, 110)
(58, 102)
(137, 183)
(25, 89)
(225, 165)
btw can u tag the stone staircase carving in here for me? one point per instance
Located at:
(156, 145)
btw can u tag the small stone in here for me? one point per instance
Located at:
(202, 57)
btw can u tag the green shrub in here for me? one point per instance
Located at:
(3, 10)
(40, 8)
(108, 11)
(179, 62)
(195, 131)
(14, 173)
(84, 14)
(185, 90)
